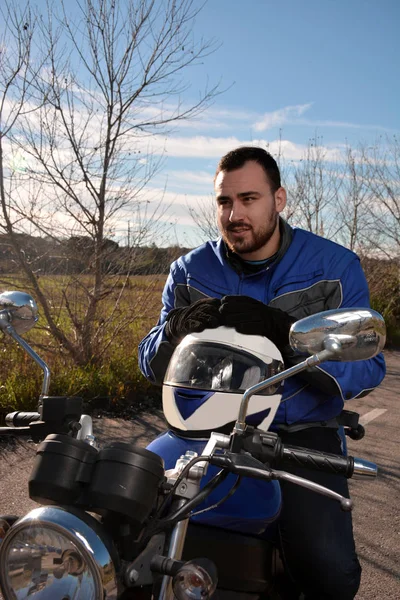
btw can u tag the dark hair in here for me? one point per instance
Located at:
(235, 159)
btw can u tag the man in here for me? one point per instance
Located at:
(258, 278)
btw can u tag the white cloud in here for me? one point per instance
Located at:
(164, 213)
(193, 147)
(204, 147)
(212, 117)
(221, 118)
(189, 181)
(280, 117)
(342, 125)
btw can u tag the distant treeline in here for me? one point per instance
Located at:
(75, 255)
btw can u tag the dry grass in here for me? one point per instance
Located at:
(128, 311)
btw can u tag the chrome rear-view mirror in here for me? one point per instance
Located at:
(359, 332)
(19, 310)
(18, 314)
(345, 334)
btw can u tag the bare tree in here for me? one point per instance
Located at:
(204, 216)
(383, 160)
(313, 187)
(105, 85)
(352, 208)
(16, 97)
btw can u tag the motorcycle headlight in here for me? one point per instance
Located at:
(52, 553)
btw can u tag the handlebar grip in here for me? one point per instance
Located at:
(21, 418)
(319, 461)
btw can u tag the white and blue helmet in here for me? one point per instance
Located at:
(207, 375)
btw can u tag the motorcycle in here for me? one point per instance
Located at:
(114, 523)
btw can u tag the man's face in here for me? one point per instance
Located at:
(247, 211)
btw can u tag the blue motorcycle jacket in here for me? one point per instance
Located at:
(309, 274)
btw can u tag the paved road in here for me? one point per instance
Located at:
(377, 503)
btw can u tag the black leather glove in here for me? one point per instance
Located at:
(203, 314)
(253, 317)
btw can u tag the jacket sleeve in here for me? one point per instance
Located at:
(155, 350)
(350, 379)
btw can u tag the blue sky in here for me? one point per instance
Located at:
(306, 67)
(291, 70)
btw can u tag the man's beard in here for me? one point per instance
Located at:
(249, 244)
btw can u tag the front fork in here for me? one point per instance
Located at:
(187, 489)
(175, 550)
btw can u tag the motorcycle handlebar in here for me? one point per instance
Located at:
(268, 448)
(21, 418)
(320, 461)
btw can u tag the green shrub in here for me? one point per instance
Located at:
(384, 287)
(116, 386)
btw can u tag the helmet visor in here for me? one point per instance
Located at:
(212, 366)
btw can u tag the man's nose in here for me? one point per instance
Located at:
(237, 212)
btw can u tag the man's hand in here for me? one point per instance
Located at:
(203, 314)
(252, 317)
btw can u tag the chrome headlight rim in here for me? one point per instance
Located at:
(83, 531)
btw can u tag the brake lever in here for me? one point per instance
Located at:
(247, 466)
(346, 504)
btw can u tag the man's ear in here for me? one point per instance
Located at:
(280, 199)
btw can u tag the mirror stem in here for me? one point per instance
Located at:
(333, 347)
(46, 378)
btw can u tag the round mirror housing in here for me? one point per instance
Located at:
(19, 310)
(360, 332)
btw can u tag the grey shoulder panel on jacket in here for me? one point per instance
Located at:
(185, 294)
(159, 362)
(325, 294)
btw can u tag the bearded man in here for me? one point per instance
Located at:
(260, 277)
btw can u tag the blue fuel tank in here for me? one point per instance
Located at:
(251, 509)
